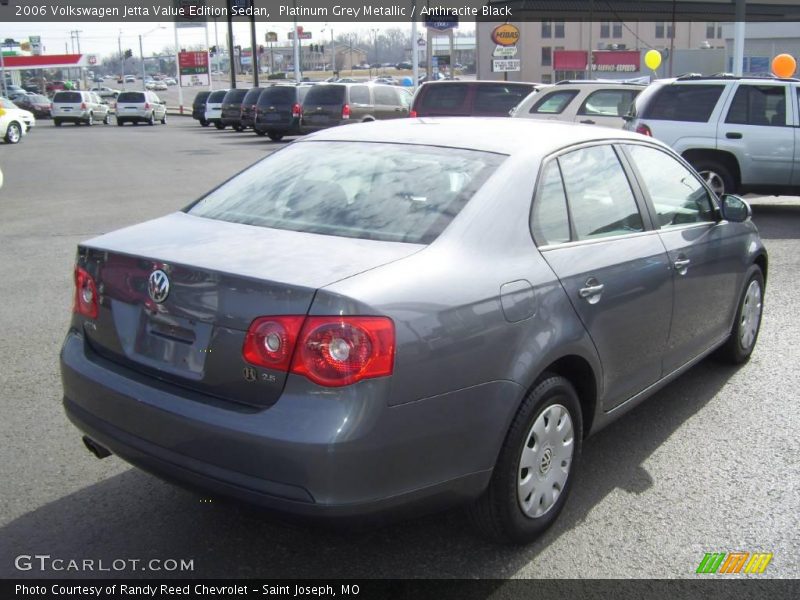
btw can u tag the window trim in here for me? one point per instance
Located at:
(534, 109)
(788, 117)
(582, 109)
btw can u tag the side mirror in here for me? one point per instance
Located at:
(735, 209)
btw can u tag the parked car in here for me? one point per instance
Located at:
(385, 338)
(140, 107)
(157, 86)
(330, 104)
(54, 86)
(214, 108)
(403, 66)
(130, 79)
(279, 109)
(199, 108)
(247, 114)
(170, 81)
(231, 111)
(469, 98)
(105, 92)
(37, 104)
(588, 102)
(739, 133)
(13, 122)
(73, 106)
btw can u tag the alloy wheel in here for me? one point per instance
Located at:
(714, 181)
(750, 315)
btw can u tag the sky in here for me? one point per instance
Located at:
(102, 38)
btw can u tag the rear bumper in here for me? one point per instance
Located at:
(284, 127)
(335, 454)
(231, 121)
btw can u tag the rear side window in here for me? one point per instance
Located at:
(385, 96)
(252, 95)
(276, 95)
(448, 97)
(68, 97)
(553, 103)
(600, 198)
(549, 219)
(608, 103)
(391, 192)
(235, 96)
(359, 94)
(758, 105)
(132, 97)
(693, 103)
(499, 98)
(217, 96)
(201, 98)
(326, 94)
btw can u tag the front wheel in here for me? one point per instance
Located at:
(260, 132)
(164, 119)
(744, 334)
(13, 133)
(204, 123)
(534, 472)
(57, 122)
(717, 176)
(90, 119)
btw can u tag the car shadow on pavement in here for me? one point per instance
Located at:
(133, 515)
(777, 221)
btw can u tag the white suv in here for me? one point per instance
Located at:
(73, 106)
(589, 102)
(739, 133)
(140, 107)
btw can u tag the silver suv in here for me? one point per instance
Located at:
(588, 102)
(740, 134)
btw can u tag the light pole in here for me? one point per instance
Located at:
(377, 60)
(121, 57)
(141, 51)
(333, 50)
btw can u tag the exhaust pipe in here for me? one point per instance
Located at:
(95, 448)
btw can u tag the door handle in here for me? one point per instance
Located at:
(681, 265)
(588, 122)
(591, 290)
(733, 135)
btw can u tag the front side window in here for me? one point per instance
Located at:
(758, 105)
(378, 191)
(554, 103)
(600, 198)
(549, 218)
(676, 193)
(384, 96)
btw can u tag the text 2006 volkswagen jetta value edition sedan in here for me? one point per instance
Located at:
(415, 314)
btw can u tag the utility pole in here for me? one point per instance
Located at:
(121, 57)
(254, 50)
(230, 50)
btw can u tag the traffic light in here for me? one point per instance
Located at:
(128, 53)
(261, 49)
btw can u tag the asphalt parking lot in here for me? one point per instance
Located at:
(709, 464)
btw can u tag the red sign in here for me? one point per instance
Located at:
(608, 61)
(193, 60)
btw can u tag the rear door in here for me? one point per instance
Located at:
(704, 260)
(387, 102)
(362, 103)
(758, 129)
(611, 263)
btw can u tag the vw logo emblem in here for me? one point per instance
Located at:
(158, 286)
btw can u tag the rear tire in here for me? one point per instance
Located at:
(716, 175)
(746, 326)
(105, 120)
(57, 122)
(219, 125)
(120, 122)
(13, 133)
(164, 119)
(260, 132)
(275, 137)
(90, 119)
(152, 120)
(238, 128)
(535, 469)
(204, 123)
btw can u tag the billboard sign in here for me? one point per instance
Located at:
(194, 68)
(504, 65)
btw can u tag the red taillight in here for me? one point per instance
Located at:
(413, 114)
(147, 106)
(83, 105)
(346, 111)
(270, 341)
(297, 110)
(85, 294)
(644, 130)
(330, 351)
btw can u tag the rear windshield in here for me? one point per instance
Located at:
(134, 97)
(252, 95)
(217, 96)
(69, 97)
(378, 191)
(234, 96)
(201, 98)
(326, 94)
(499, 98)
(447, 97)
(693, 103)
(280, 94)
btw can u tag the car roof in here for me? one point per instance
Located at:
(433, 82)
(490, 134)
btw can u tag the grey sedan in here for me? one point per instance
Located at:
(415, 314)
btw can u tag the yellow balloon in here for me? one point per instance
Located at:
(652, 59)
(784, 65)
